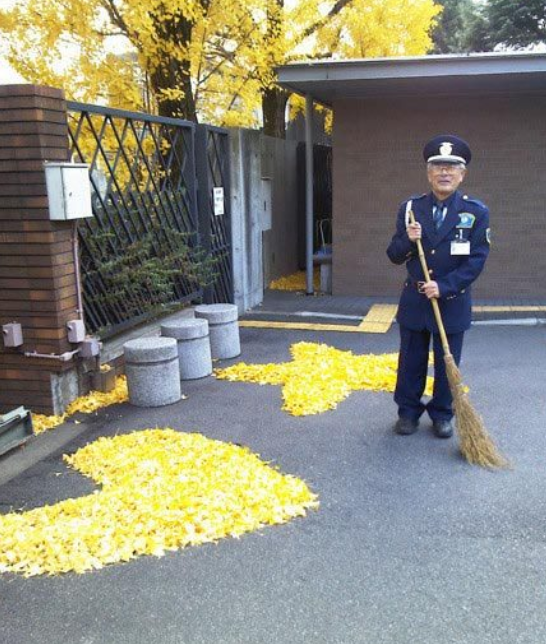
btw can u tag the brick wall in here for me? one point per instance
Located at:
(37, 278)
(378, 163)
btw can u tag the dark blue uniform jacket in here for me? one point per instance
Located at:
(467, 219)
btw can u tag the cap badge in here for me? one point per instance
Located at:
(446, 148)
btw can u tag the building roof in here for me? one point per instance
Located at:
(330, 80)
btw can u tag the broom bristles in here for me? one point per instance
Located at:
(475, 443)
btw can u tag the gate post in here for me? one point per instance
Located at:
(247, 207)
(37, 269)
(204, 213)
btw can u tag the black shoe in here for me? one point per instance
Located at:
(442, 428)
(406, 426)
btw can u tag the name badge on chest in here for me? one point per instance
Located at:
(460, 245)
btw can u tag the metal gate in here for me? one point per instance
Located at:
(142, 252)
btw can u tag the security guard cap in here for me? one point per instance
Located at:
(447, 148)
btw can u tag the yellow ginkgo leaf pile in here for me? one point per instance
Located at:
(85, 404)
(161, 490)
(295, 282)
(319, 377)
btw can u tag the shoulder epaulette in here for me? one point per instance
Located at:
(413, 198)
(474, 201)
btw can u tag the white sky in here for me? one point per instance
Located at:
(7, 74)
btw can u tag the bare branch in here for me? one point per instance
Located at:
(339, 5)
(200, 66)
(226, 56)
(115, 16)
(235, 96)
(109, 34)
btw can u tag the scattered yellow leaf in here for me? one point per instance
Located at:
(319, 377)
(295, 282)
(85, 404)
(161, 490)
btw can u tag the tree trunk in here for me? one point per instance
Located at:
(274, 101)
(174, 75)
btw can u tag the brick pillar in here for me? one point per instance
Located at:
(37, 276)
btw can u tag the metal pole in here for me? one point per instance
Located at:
(309, 194)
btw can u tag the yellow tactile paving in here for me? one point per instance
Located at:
(378, 320)
(302, 326)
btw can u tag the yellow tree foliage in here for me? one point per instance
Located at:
(207, 59)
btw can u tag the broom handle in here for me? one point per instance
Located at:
(433, 300)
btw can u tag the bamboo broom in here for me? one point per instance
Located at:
(475, 443)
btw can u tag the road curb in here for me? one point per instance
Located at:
(38, 448)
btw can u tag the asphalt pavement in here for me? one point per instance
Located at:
(410, 543)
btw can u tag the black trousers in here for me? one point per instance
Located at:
(412, 373)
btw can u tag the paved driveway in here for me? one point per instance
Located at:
(410, 544)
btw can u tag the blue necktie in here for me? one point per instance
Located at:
(438, 215)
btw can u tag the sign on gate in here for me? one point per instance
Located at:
(218, 194)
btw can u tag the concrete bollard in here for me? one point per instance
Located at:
(223, 329)
(194, 355)
(153, 374)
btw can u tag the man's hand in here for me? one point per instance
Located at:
(430, 289)
(414, 231)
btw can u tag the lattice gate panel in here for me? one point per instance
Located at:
(137, 249)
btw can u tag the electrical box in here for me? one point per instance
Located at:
(12, 334)
(90, 348)
(76, 331)
(68, 191)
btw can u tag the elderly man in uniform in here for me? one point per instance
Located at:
(454, 231)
